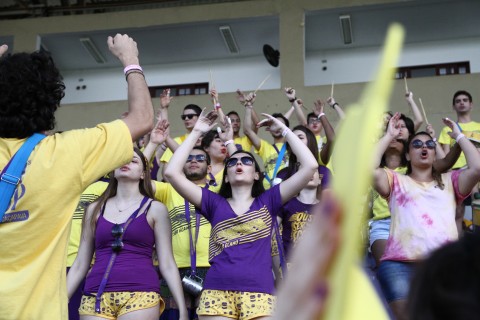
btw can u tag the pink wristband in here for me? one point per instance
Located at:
(132, 67)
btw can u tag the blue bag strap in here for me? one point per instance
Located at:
(277, 164)
(12, 173)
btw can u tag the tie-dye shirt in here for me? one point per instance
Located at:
(240, 245)
(423, 215)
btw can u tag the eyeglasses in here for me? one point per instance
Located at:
(248, 161)
(188, 116)
(197, 157)
(117, 232)
(234, 120)
(313, 120)
(417, 144)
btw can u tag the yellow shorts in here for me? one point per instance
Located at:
(115, 304)
(235, 304)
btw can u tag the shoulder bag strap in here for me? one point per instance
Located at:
(12, 173)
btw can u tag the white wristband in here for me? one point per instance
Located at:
(460, 136)
(226, 143)
(132, 67)
(320, 115)
(285, 132)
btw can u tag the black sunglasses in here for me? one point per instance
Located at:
(417, 144)
(248, 161)
(117, 232)
(197, 157)
(188, 116)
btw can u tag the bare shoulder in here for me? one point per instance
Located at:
(157, 210)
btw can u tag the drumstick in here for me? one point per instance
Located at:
(212, 84)
(331, 91)
(261, 84)
(406, 86)
(423, 110)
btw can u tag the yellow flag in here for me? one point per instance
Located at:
(351, 295)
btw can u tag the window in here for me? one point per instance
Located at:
(180, 89)
(433, 70)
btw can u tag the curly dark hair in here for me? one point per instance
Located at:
(31, 88)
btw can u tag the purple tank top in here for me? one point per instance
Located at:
(133, 269)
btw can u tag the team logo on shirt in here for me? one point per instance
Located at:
(299, 221)
(16, 216)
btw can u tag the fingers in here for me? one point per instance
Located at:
(3, 49)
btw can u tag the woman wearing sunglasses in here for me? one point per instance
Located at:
(422, 204)
(239, 283)
(123, 228)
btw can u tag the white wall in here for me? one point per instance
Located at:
(356, 65)
(228, 76)
(343, 66)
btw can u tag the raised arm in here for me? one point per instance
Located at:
(469, 176)
(417, 116)
(163, 244)
(157, 137)
(242, 98)
(380, 179)
(440, 154)
(308, 163)
(297, 105)
(335, 106)
(247, 121)
(327, 148)
(140, 110)
(165, 100)
(227, 136)
(174, 172)
(82, 262)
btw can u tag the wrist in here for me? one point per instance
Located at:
(285, 132)
(292, 100)
(226, 143)
(218, 106)
(320, 115)
(334, 104)
(132, 67)
(459, 137)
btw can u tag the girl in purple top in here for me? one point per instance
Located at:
(123, 228)
(239, 283)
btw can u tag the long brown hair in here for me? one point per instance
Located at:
(144, 186)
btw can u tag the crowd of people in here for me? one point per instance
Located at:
(210, 224)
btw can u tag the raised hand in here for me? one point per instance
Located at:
(165, 99)
(318, 107)
(124, 48)
(409, 96)
(214, 95)
(290, 92)
(331, 101)
(430, 130)
(160, 132)
(270, 122)
(393, 129)
(228, 133)
(3, 49)
(246, 99)
(206, 121)
(454, 126)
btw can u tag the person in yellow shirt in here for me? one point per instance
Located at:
(35, 228)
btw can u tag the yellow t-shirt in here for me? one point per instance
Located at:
(468, 129)
(175, 204)
(167, 155)
(88, 196)
(269, 155)
(35, 228)
(243, 143)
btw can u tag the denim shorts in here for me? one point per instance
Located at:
(379, 230)
(395, 278)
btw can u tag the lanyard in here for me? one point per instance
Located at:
(277, 164)
(193, 246)
(103, 284)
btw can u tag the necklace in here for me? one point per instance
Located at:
(128, 207)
